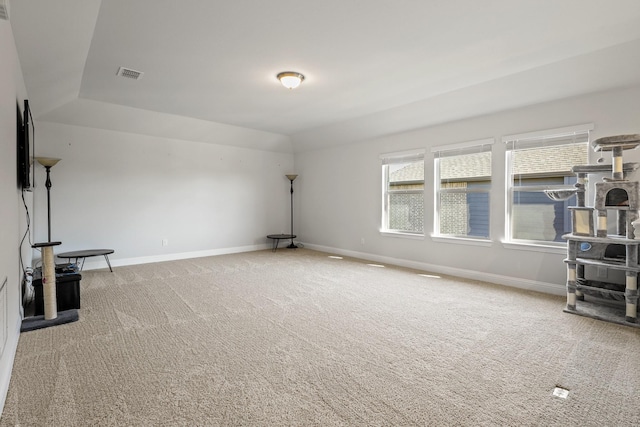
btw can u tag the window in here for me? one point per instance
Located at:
(462, 186)
(536, 162)
(403, 192)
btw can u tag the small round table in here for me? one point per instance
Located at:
(277, 237)
(86, 254)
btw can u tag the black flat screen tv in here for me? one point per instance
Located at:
(23, 142)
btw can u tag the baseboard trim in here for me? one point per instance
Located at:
(514, 282)
(99, 262)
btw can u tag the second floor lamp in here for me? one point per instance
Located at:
(292, 178)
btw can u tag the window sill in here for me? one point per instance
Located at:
(461, 240)
(402, 235)
(536, 247)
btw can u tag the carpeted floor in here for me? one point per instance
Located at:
(298, 338)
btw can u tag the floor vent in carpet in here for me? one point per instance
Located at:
(560, 392)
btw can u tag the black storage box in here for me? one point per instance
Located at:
(67, 289)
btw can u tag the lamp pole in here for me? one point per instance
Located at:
(291, 179)
(48, 185)
(48, 163)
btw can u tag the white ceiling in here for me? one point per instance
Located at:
(372, 67)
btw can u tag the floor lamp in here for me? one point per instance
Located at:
(51, 316)
(292, 178)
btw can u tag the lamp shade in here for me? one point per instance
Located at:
(290, 79)
(47, 161)
(291, 177)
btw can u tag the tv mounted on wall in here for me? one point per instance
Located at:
(23, 147)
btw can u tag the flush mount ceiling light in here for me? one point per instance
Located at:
(290, 79)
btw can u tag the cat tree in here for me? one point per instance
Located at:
(602, 265)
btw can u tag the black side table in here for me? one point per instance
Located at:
(86, 254)
(277, 237)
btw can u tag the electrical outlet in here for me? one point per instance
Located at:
(165, 242)
(362, 241)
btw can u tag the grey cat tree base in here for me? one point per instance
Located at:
(590, 246)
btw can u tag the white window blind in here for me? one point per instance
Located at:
(537, 161)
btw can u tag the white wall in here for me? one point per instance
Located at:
(12, 213)
(128, 192)
(338, 195)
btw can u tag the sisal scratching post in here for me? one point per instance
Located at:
(49, 284)
(48, 279)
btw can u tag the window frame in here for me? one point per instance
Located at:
(536, 139)
(388, 159)
(452, 150)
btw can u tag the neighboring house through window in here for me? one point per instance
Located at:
(462, 187)
(535, 162)
(403, 192)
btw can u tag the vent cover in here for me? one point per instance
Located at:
(4, 10)
(129, 73)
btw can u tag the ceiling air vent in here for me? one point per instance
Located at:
(129, 73)
(4, 10)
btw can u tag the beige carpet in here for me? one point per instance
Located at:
(298, 338)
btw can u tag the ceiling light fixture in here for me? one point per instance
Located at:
(290, 79)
